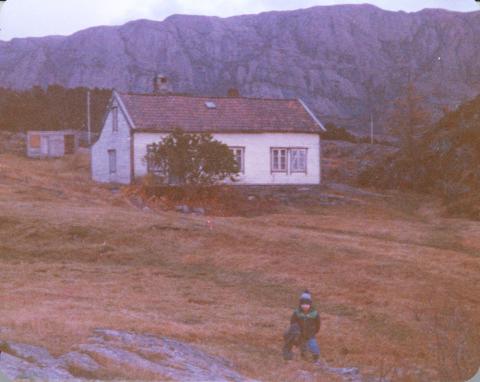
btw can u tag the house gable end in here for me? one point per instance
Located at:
(117, 97)
(115, 141)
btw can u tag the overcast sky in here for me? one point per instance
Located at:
(22, 18)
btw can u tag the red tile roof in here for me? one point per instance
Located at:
(163, 113)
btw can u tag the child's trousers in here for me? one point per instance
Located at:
(293, 337)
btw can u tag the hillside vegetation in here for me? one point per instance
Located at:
(446, 163)
(52, 108)
(396, 284)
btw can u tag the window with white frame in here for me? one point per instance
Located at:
(112, 161)
(279, 159)
(239, 155)
(288, 160)
(298, 160)
(115, 118)
(152, 166)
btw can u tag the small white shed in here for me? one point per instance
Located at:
(52, 144)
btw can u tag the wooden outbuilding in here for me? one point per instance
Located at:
(52, 144)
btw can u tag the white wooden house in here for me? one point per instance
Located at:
(275, 141)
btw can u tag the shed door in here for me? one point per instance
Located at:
(69, 144)
(44, 146)
(34, 141)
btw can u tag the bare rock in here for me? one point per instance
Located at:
(36, 354)
(80, 361)
(160, 358)
(18, 368)
(351, 374)
(199, 211)
(184, 209)
(126, 358)
(173, 359)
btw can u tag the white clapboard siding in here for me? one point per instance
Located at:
(257, 155)
(113, 140)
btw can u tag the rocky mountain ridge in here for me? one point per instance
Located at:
(347, 62)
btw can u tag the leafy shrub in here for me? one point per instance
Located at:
(192, 159)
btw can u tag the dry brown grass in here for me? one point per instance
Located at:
(391, 276)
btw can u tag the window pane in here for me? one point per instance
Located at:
(283, 159)
(279, 160)
(302, 159)
(112, 161)
(298, 162)
(152, 166)
(238, 154)
(294, 159)
(238, 159)
(115, 118)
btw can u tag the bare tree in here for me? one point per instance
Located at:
(409, 121)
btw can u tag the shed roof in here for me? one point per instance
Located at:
(163, 113)
(50, 132)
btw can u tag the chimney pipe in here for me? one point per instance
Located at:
(161, 84)
(233, 92)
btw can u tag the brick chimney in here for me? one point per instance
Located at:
(233, 92)
(161, 85)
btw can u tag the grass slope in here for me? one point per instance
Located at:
(397, 285)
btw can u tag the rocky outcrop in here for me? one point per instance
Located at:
(122, 353)
(345, 61)
(28, 362)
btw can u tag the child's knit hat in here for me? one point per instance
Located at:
(306, 298)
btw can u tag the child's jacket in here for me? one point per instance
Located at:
(309, 322)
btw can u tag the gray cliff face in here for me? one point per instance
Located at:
(344, 61)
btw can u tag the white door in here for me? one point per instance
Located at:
(44, 146)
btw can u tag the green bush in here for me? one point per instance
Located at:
(188, 159)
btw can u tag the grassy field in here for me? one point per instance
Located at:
(397, 284)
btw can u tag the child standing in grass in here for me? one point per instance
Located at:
(304, 325)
